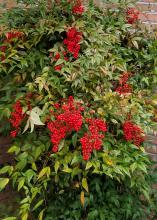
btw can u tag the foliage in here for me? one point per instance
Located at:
(108, 199)
(66, 75)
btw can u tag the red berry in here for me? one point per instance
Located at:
(13, 134)
(58, 67)
(72, 42)
(133, 133)
(16, 118)
(57, 56)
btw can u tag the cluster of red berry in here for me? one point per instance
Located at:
(124, 87)
(57, 57)
(10, 36)
(133, 133)
(72, 42)
(73, 47)
(16, 118)
(132, 15)
(13, 35)
(69, 119)
(92, 139)
(78, 8)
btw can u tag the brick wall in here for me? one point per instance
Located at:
(148, 9)
(149, 13)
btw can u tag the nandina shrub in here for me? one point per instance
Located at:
(75, 83)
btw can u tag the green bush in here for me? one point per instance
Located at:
(74, 85)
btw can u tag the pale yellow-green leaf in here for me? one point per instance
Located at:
(21, 183)
(67, 170)
(3, 183)
(57, 164)
(40, 216)
(142, 149)
(45, 171)
(38, 204)
(135, 44)
(88, 165)
(6, 169)
(14, 149)
(25, 216)
(109, 161)
(101, 111)
(85, 184)
(34, 166)
(10, 218)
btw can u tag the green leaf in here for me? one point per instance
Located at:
(34, 167)
(6, 169)
(85, 184)
(21, 183)
(61, 145)
(10, 218)
(59, 61)
(142, 167)
(74, 140)
(44, 171)
(75, 172)
(3, 183)
(88, 165)
(38, 204)
(29, 174)
(37, 152)
(21, 164)
(56, 166)
(67, 170)
(40, 216)
(25, 216)
(133, 167)
(14, 149)
(146, 194)
(76, 159)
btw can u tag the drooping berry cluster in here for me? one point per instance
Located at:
(78, 8)
(67, 120)
(132, 15)
(92, 139)
(16, 118)
(72, 42)
(124, 87)
(133, 133)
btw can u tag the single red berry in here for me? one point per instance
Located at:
(58, 67)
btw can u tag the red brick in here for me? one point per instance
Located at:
(148, 17)
(148, 1)
(146, 7)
